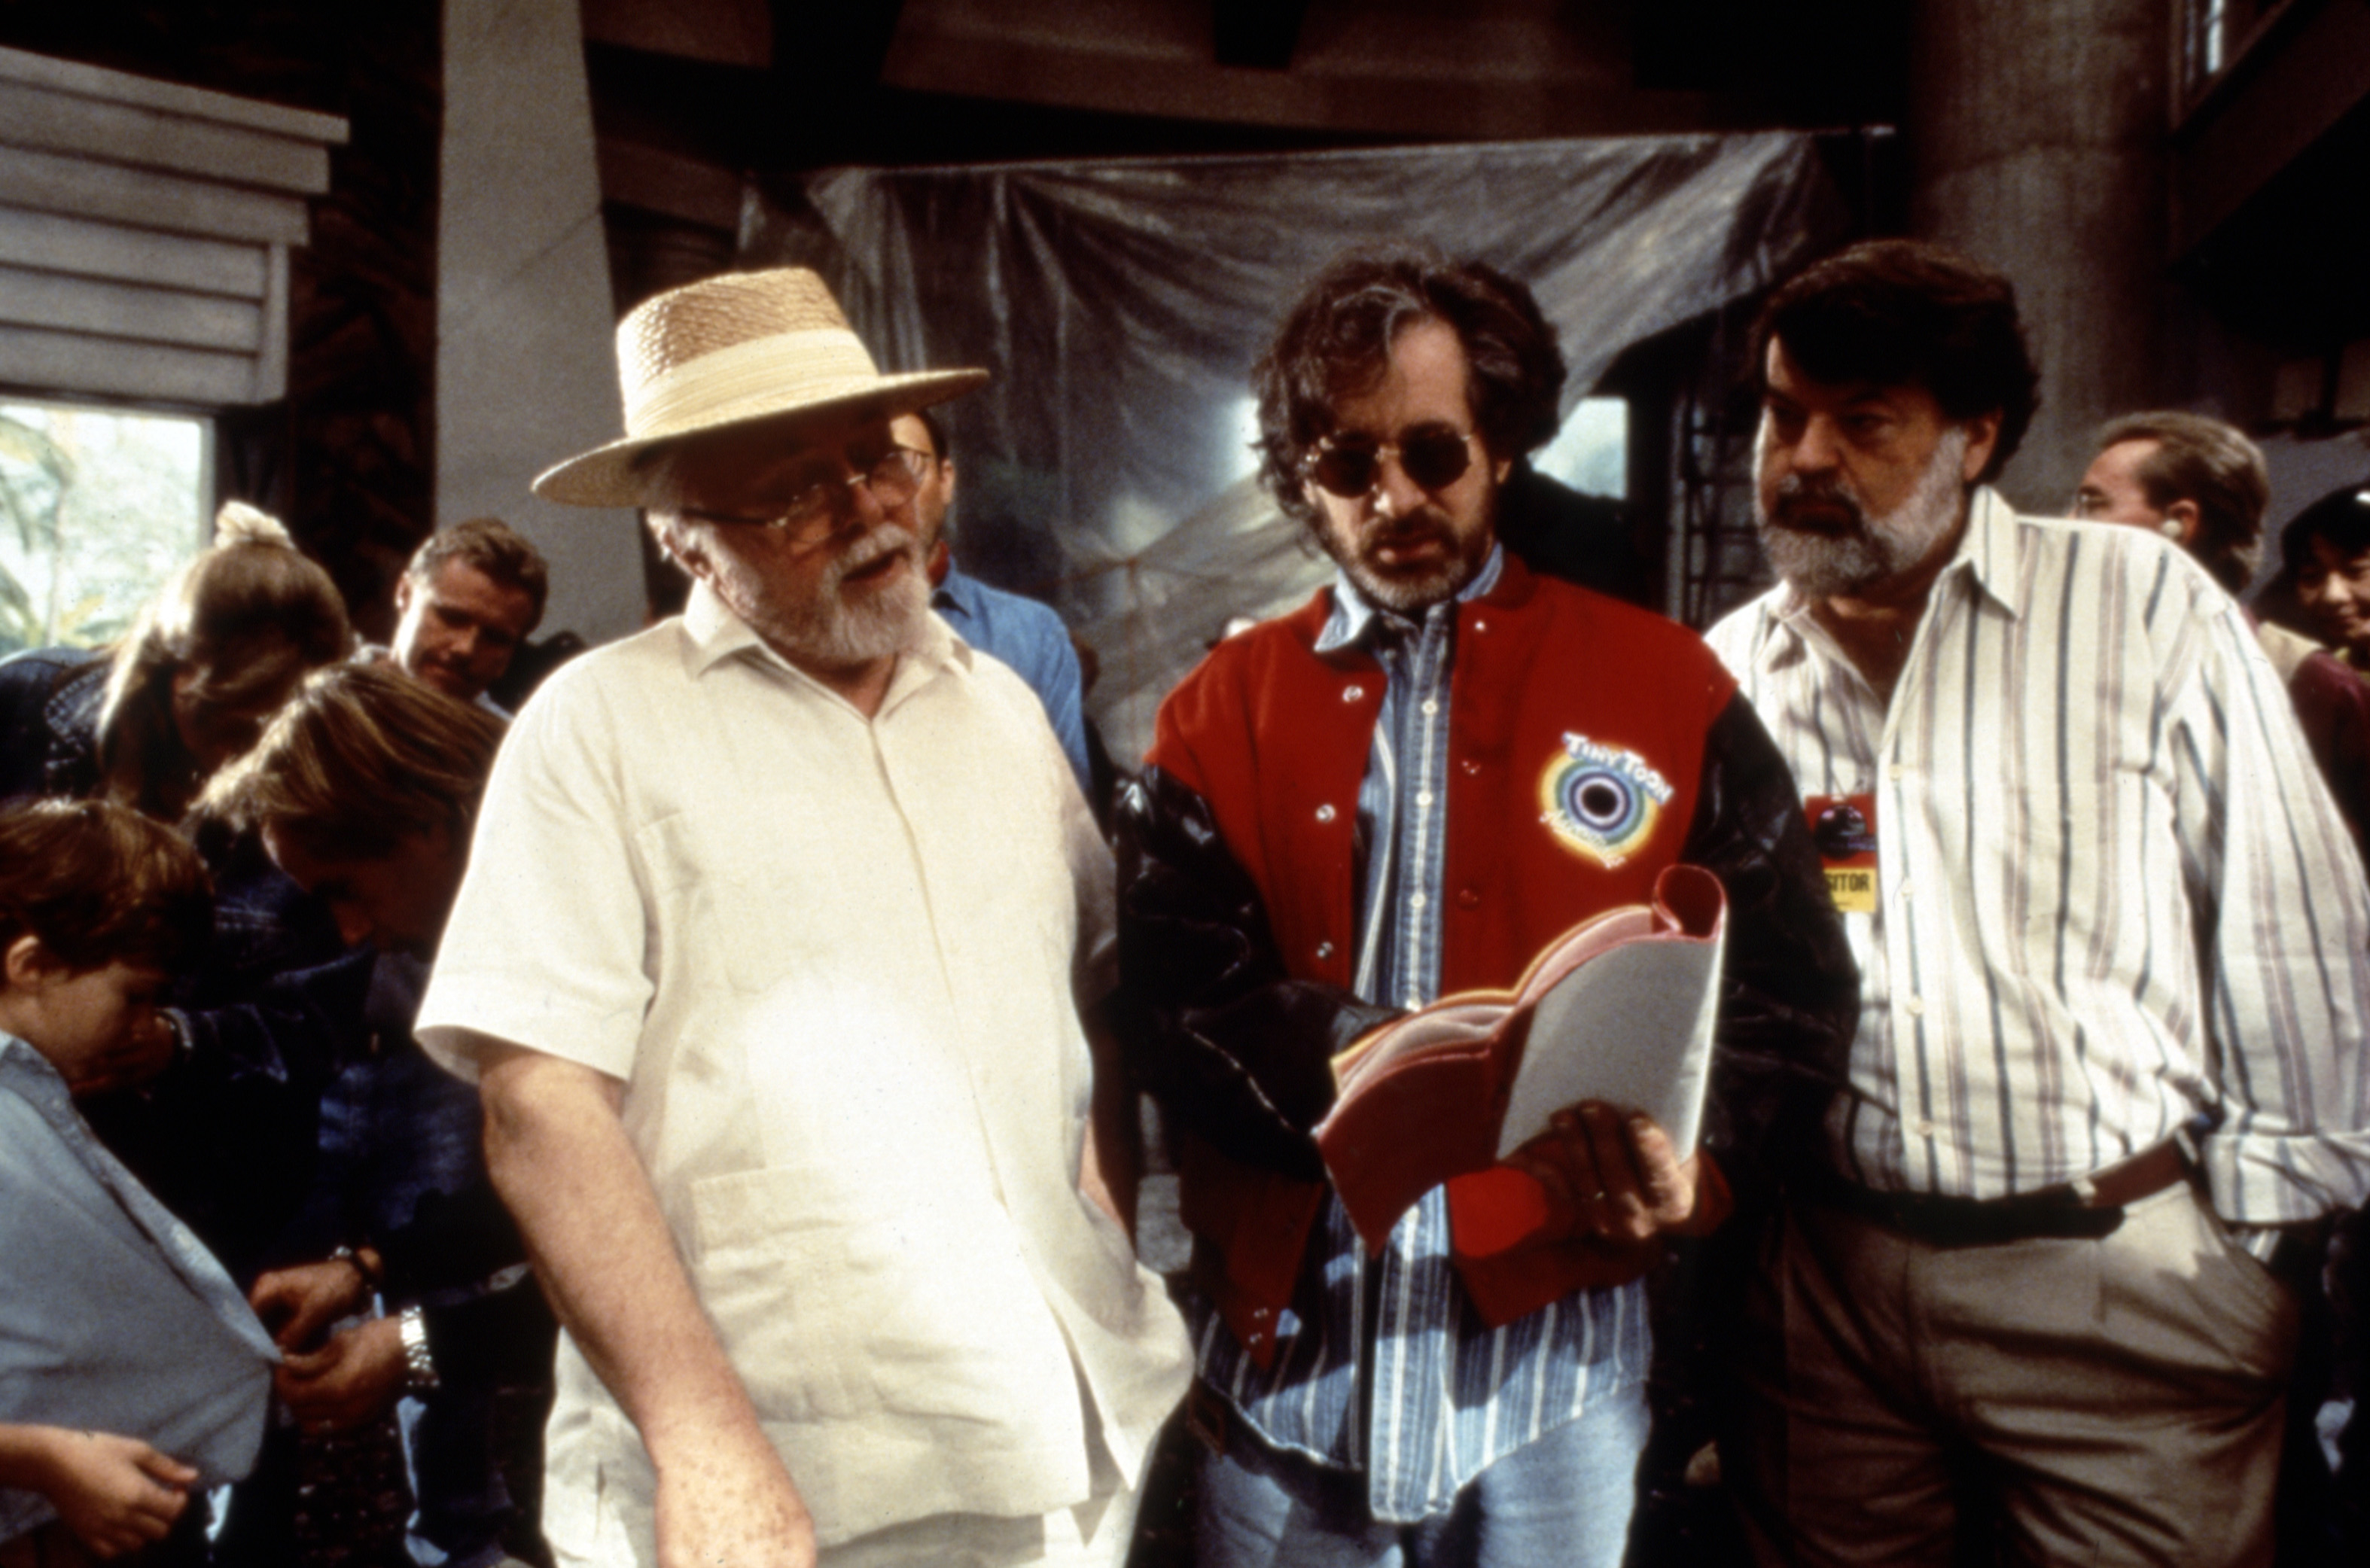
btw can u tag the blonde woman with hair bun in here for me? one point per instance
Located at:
(187, 688)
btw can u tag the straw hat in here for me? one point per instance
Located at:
(728, 350)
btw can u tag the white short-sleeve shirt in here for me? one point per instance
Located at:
(837, 962)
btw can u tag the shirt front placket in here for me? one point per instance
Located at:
(1411, 1350)
(1895, 1068)
(1415, 657)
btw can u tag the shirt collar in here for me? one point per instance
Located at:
(1987, 551)
(1984, 561)
(1353, 612)
(958, 590)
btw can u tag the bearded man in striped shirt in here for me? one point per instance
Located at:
(2109, 1074)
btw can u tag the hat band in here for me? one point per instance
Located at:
(784, 370)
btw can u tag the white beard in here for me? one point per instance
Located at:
(828, 631)
(1821, 566)
(815, 625)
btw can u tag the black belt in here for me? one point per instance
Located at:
(2091, 1208)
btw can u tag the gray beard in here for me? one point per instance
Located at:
(824, 631)
(1819, 565)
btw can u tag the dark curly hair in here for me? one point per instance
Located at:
(1896, 312)
(2342, 517)
(1336, 340)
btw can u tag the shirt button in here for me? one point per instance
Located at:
(1916, 1006)
(1325, 813)
(1423, 797)
(1413, 1002)
(1352, 694)
(1468, 897)
(1905, 892)
(1921, 1128)
(1894, 773)
(1416, 902)
(1430, 705)
(1324, 950)
(1471, 768)
(1479, 624)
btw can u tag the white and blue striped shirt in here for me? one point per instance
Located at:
(2112, 893)
(1445, 1395)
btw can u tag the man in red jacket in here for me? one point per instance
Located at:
(1406, 789)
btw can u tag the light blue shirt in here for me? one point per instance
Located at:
(1449, 1396)
(113, 1316)
(1030, 638)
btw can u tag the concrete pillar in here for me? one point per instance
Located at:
(526, 370)
(2037, 138)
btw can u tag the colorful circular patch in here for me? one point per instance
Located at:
(1602, 800)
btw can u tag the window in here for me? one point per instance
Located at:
(1591, 454)
(2215, 33)
(98, 507)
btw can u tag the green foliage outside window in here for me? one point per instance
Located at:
(97, 507)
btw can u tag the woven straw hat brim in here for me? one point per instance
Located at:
(605, 476)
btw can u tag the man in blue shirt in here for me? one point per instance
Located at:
(1019, 632)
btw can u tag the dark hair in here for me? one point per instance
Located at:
(2210, 463)
(932, 423)
(2342, 517)
(1336, 342)
(361, 755)
(493, 547)
(99, 883)
(1898, 311)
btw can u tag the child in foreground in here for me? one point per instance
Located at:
(131, 1368)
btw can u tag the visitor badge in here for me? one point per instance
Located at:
(1844, 827)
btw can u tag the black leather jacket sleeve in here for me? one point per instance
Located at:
(1790, 992)
(1233, 1048)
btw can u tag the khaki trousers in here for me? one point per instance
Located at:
(2108, 1401)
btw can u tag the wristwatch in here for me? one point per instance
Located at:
(418, 1367)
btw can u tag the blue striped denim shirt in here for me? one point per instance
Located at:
(1390, 1343)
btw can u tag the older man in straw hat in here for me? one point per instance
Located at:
(769, 962)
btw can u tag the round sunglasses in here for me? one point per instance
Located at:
(1352, 465)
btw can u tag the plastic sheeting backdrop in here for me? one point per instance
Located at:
(1120, 303)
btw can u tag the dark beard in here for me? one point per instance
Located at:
(1408, 591)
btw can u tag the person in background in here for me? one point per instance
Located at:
(1405, 789)
(2325, 552)
(470, 599)
(365, 790)
(1022, 633)
(132, 1371)
(225, 1136)
(2325, 559)
(188, 687)
(2114, 948)
(2201, 484)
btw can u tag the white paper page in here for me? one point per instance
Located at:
(1637, 1028)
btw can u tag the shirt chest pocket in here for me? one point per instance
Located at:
(749, 900)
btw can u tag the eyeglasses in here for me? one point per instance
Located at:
(810, 516)
(1352, 466)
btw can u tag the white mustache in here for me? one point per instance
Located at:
(883, 539)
